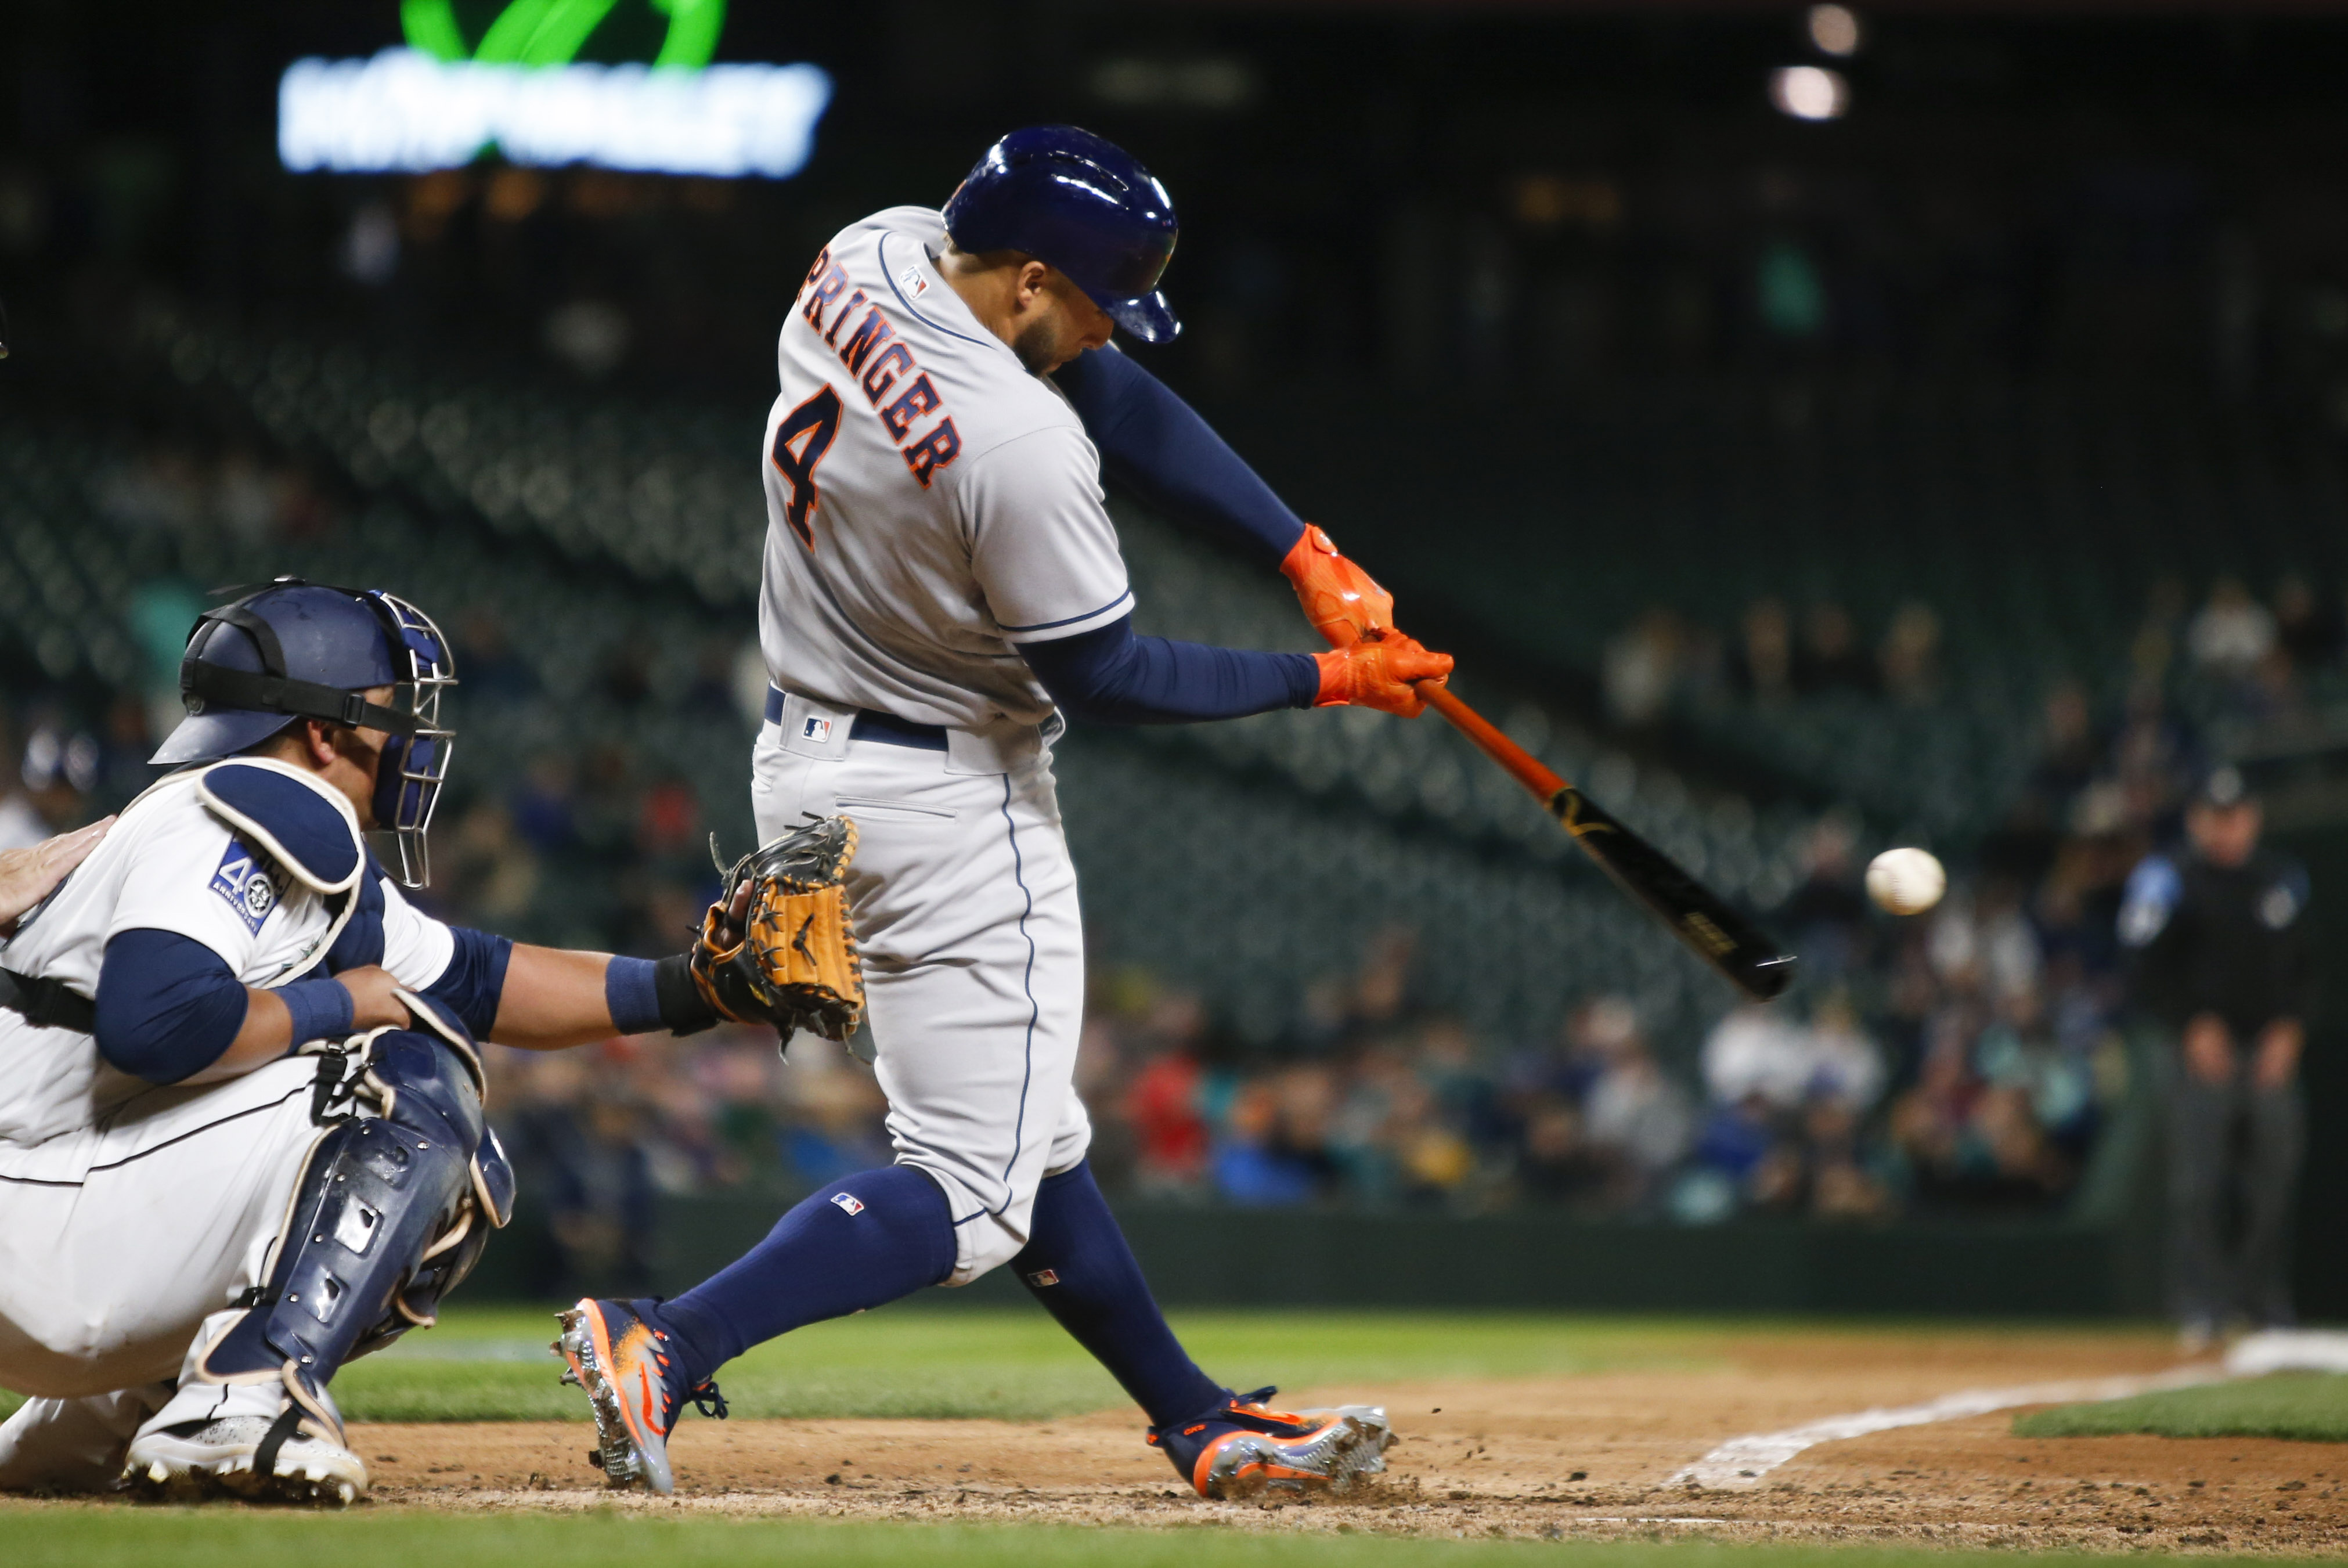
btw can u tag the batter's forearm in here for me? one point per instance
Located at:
(1111, 677)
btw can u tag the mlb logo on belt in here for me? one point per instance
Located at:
(814, 728)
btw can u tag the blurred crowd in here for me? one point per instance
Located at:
(2247, 662)
(1959, 1061)
(2231, 659)
(238, 494)
(1770, 657)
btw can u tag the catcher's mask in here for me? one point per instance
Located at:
(296, 650)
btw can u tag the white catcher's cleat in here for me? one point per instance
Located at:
(198, 1460)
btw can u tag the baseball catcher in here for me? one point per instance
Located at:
(241, 1108)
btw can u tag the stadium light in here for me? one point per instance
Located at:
(1810, 92)
(1835, 30)
(407, 111)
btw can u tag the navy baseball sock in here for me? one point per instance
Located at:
(864, 1241)
(1076, 1264)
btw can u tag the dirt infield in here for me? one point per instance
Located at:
(1582, 1456)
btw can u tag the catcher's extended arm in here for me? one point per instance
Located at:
(777, 947)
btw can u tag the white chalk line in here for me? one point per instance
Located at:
(1741, 1462)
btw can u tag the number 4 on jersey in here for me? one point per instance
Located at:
(800, 442)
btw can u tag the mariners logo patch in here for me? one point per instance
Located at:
(245, 880)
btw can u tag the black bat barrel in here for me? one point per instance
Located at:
(1722, 937)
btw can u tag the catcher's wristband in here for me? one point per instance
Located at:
(684, 1010)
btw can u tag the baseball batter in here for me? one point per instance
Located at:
(942, 588)
(241, 1134)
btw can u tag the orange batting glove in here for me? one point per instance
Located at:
(1340, 599)
(1378, 673)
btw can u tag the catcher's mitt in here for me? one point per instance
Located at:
(776, 946)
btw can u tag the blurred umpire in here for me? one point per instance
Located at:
(2221, 957)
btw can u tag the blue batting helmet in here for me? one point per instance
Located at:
(297, 650)
(1079, 203)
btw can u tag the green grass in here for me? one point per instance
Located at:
(1013, 1363)
(491, 1363)
(2307, 1407)
(1010, 1365)
(391, 1538)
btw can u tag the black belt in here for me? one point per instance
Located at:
(871, 725)
(894, 731)
(48, 1003)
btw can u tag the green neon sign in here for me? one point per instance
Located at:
(552, 32)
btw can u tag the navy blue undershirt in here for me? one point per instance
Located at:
(1108, 676)
(1155, 445)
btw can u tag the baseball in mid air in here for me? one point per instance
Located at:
(1906, 882)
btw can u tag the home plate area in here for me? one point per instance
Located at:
(1635, 1452)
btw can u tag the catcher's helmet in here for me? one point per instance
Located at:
(297, 650)
(1082, 204)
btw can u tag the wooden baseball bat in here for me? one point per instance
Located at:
(1724, 938)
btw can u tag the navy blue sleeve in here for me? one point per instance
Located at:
(1154, 444)
(1108, 676)
(475, 978)
(167, 1005)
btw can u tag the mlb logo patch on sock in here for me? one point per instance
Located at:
(1043, 1277)
(848, 1202)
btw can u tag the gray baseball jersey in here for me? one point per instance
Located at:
(930, 504)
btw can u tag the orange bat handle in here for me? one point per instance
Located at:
(1521, 764)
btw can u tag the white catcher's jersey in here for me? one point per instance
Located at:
(201, 858)
(930, 504)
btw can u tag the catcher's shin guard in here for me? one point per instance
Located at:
(391, 1213)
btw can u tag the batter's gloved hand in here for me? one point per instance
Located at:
(1380, 673)
(776, 946)
(1341, 600)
